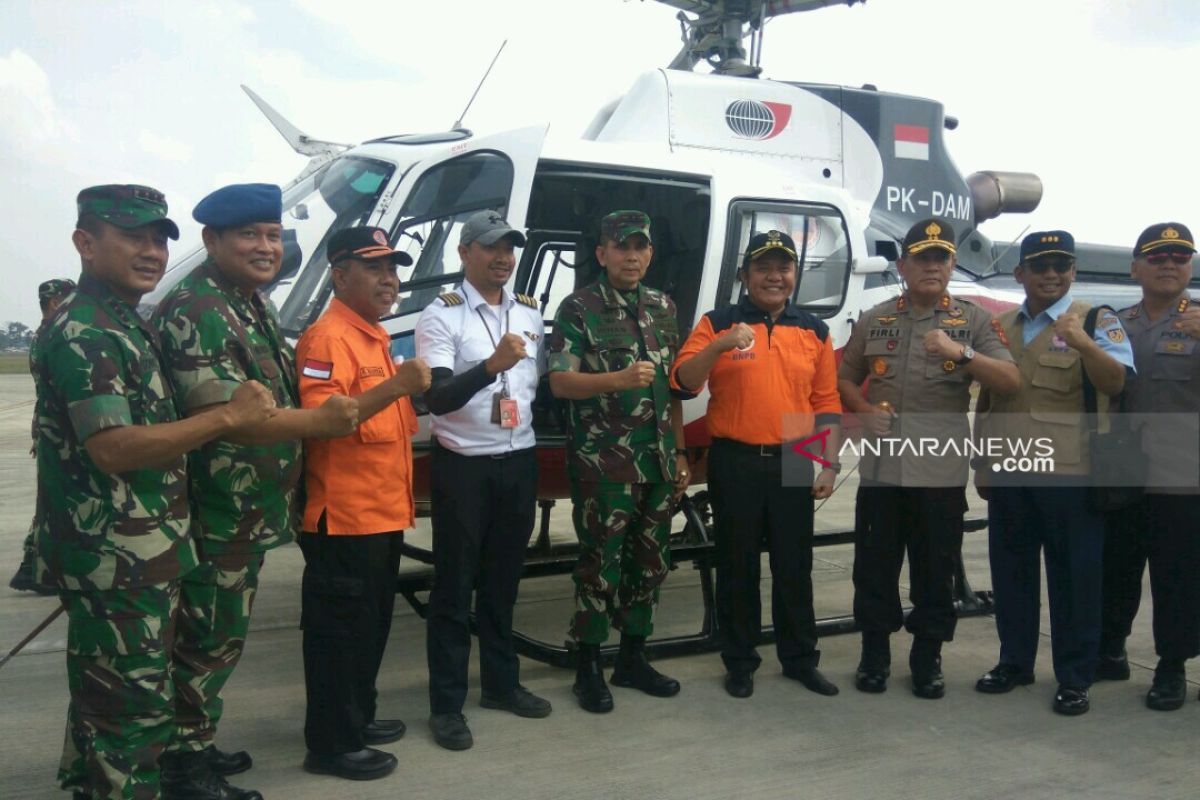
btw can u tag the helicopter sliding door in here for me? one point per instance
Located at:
(434, 200)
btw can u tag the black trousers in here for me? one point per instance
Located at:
(1024, 521)
(753, 510)
(483, 515)
(1163, 530)
(347, 596)
(927, 523)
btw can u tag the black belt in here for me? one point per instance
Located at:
(497, 456)
(764, 450)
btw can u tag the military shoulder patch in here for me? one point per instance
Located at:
(526, 300)
(451, 299)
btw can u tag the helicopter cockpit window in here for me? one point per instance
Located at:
(822, 244)
(433, 215)
(340, 195)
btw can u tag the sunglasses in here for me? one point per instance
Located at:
(1060, 265)
(1162, 258)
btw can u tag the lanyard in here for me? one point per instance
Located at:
(495, 343)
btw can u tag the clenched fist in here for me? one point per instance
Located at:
(1070, 328)
(740, 337)
(413, 376)
(1189, 322)
(337, 416)
(937, 342)
(251, 404)
(637, 375)
(508, 354)
(879, 420)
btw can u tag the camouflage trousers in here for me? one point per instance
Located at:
(623, 530)
(119, 719)
(215, 602)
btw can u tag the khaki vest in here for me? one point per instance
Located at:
(1050, 401)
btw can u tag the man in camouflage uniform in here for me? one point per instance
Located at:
(218, 331)
(112, 494)
(51, 293)
(611, 354)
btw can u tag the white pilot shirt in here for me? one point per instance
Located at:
(460, 336)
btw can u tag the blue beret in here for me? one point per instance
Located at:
(239, 204)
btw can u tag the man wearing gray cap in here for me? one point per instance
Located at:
(485, 347)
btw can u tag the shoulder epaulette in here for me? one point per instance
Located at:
(526, 300)
(451, 299)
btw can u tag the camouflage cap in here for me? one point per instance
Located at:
(126, 206)
(55, 287)
(620, 225)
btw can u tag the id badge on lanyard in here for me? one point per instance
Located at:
(505, 411)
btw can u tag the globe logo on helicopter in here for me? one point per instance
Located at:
(757, 119)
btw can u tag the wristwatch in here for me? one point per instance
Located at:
(968, 354)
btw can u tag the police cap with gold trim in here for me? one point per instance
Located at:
(1168, 236)
(1047, 243)
(928, 234)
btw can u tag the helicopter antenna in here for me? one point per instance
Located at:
(462, 116)
(1011, 245)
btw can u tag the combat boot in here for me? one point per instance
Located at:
(590, 687)
(1169, 690)
(633, 671)
(25, 578)
(188, 776)
(874, 666)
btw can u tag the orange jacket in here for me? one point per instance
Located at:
(361, 482)
(788, 375)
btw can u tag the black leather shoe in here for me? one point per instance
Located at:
(187, 776)
(451, 731)
(383, 731)
(1003, 678)
(227, 764)
(519, 701)
(1071, 702)
(1169, 690)
(23, 580)
(590, 687)
(1113, 667)
(739, 684)
(812, 679)
(930, 686)
(364, 765)
(871, 681)
(633, 671)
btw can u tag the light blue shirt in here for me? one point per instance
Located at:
(1115, 344)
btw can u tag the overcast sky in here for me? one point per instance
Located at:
(1095, 96)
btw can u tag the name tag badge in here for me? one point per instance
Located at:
(510, 414)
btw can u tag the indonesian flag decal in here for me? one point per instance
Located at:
(912, 141)
(321, 370)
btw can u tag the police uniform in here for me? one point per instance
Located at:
(115, 545)
(910, 502)
(786, 379)
(215, 336)
(620, 459)
(358, 503)
(483, 478)
(25, 577)
(1158, 528)
(1050, 513)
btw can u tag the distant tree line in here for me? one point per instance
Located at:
(15, 336)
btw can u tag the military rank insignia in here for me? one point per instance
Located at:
(999, 329)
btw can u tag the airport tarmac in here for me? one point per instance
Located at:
(784, 742)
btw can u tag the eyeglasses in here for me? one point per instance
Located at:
(1161, 258)
(1060, 265)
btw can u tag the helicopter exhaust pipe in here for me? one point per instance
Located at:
(996, 193)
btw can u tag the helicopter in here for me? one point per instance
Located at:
(712, 158)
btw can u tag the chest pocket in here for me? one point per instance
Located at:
(384, 426)
(945, 370)
(1056, 371)
(1173, 360)
(881, 360)
(152, 396)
